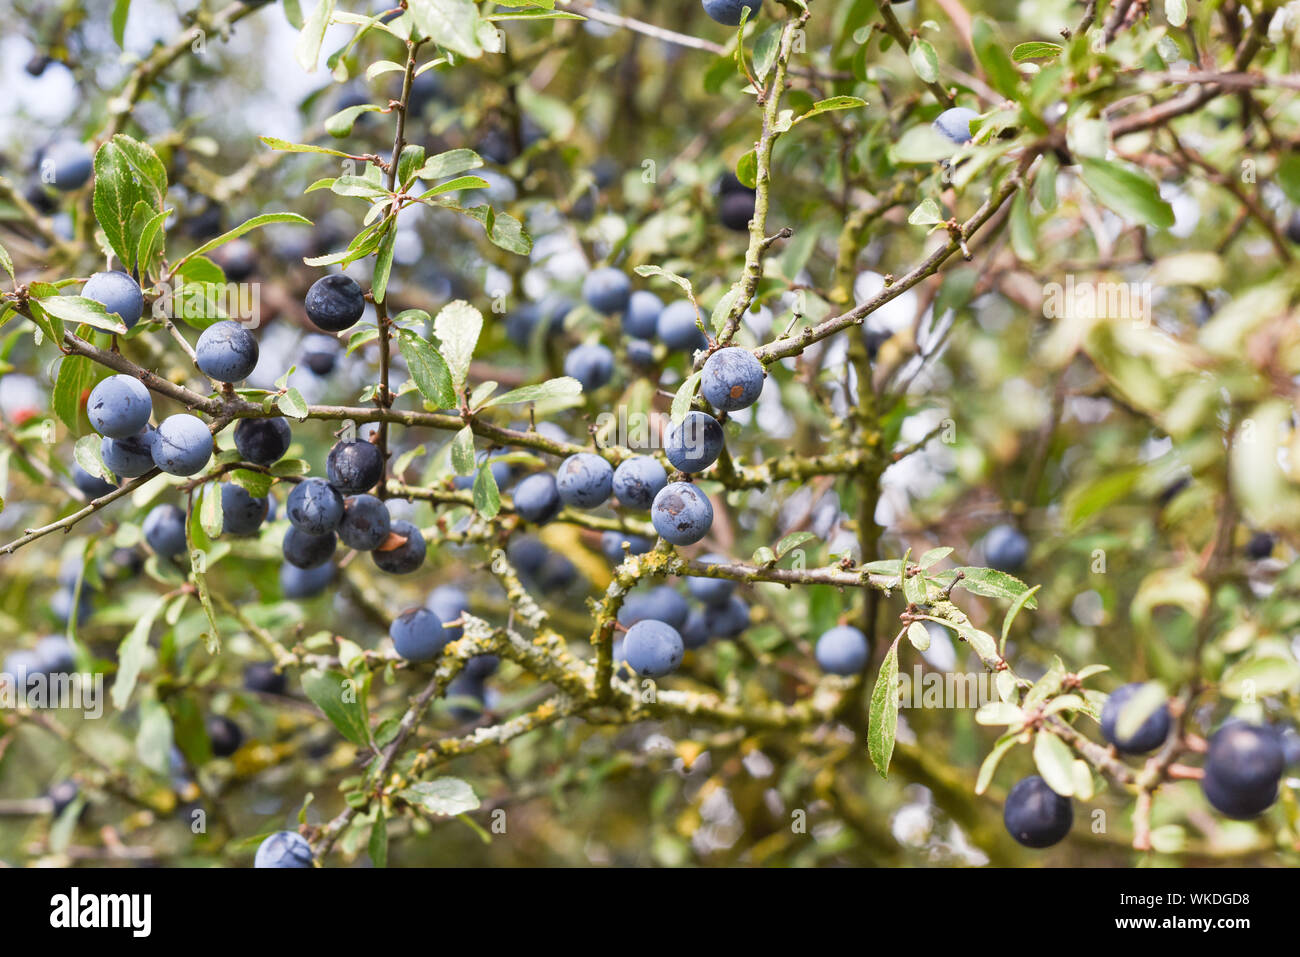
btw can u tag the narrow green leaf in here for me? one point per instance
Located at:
(884, 713)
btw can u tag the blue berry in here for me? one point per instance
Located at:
(466, 697)
(1148, 737)
(694, 443)
(681, 513)
(1035, 815)
(241, 513)
(130, 457)
(164, 531)
(728, 619)
(224, 735)
(677, 327)
(842, 650)
(548, 314)
(298, 583)
(119, 407)
(365, 524)
(607, 290)
(335, 302)
(62, 604)
(1005, 548)
(261, 676)
(640, 353)
(731, 379)
(91, 486)
(638, 480)
(537, 498)
(653, 648)
(640, 320)
(118, 293)
(448, 602)
(355, 467)
(736, 209)
(728, 12)
(591, 364)
(308, 550)
(481, 667)
(315, 507)
(584, 480)
(22, 666)
(954, 124)
(284, 849)
(263, 441)
(55, 655)
(695, 631)
(182, 445)
(418, 634)
(1242, 769)
(66, 165)
(320, 353)
(406, 557)
(611, 543)
(527, 554)
(226, 351)
(711, 591)
(557, 573)
(663, 603)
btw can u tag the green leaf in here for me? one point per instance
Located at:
(118, 20)
(340, 124)
(342, 701)
(266, 219)
(990, 583)
(457, 326)
(924, 60)
(256, 484)
(211, 516)
(1176, 12)
(793, 541)
(443, 796)
(78, 310)
(152, 241)
(292, 404)
(153, 742)
(487, 497)
(87, 454)
(383, 264)
(919, 636)
(884, 713)
(927, 213)
(502, 229)
(1264, 676)
(1127, 191)
(1019, 603)
(450, 163)
(836, 103)
(1034, 51)
(462, 451)
(307, 50)
(685, 394)
(452, 24)
(428, 370)
(6, 261)
(990, 765)
(747, 169)
(284, 146)
(993, 58)
(1055, 763)
(76, 373)
(378, 846)
(131, 655)
(550, 389)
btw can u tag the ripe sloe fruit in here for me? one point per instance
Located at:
(591, 364)
(842, 650)
(584, 480)
(695, 443)
(682, 514)
(241, 513)
(954, 124)
(118, 293)
(418, 634)
(638, 480)
(728, 12)
(1005, 548)
(1148, 737)
(653, 648)
(335, 302)
(307, 550)
(355, 466)
(731, 379)
(1035, 815)
(130, 457)
(164, 531)
(261, 676)
(537, 498)
(284, 849)
(263, 441)
(606, 290)
(315, 507)
(225, 735)
(677, 327)
(182, 445)
(711, 591)
(1242, 769)
(640, 319)
(366, 523)
(226, 351)
(406, 557)
(298, 583)
(119, 407)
